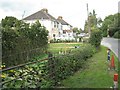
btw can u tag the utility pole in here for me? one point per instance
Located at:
(23, 14)
(89, 31)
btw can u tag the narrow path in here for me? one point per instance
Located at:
(95, 74)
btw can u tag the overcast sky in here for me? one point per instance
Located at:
(73, 11)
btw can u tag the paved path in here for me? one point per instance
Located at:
(113, 44)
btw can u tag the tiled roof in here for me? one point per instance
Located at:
(60, 19)
(62, 22)
(40, 15)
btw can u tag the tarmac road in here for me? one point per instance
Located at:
(113, 44)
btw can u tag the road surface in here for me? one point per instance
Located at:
(113, 44)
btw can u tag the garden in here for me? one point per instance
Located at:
(30, 62)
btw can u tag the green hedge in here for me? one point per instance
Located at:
(67, 65)
(22, 42)
(41, 75)
(95, 38)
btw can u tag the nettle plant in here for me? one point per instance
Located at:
(30, 76)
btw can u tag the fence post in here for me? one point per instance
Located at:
(51, 67)
(115, 81)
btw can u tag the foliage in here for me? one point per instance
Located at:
(117, 34)
(46, 74)
(31, 76)
(95, 73)
(111, 25)
(76, 30)
(67, 65)
(92, 21)
(9, 21)
(95, 38)
(22, 42)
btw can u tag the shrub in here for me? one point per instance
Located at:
(95, 38)
(40, 75)
(66, 65)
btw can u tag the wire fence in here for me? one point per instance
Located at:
(47, 66)
(47, 63)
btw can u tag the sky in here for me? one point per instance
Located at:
(73, 11)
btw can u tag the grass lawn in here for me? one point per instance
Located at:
(56, 47)
(94, 74)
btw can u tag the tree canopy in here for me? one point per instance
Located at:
(92, 22)
(111, 25)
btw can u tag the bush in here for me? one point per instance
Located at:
(67, 65)
(40, 75)
(95, 38)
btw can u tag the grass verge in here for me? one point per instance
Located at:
(94, 74)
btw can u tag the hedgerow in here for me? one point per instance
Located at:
(49, 73)
(66, 65)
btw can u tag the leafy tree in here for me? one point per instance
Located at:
(106, 24)
(38, 33)
(111, 25)
(9, 21)
(76, 30)
(92, 21)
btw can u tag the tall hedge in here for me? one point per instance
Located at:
(95, 38)
(21, 42)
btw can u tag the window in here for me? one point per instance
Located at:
(55, 24)
(64, 32)
(53, 35)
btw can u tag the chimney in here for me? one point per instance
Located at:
(45, 10)
(60, 17)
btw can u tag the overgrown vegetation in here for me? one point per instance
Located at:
(94, 74)
(66, 65)
(39, 75)
(22, 42)
(95, 38)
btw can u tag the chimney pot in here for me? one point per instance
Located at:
(60, 17)
(45, 10)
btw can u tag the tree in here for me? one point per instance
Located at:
(111, 25)
(92, 21)
(9, 21)
(76, 30)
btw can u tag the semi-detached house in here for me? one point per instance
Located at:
(58, 28)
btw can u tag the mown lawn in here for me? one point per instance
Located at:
(56, 47)
(94, 74)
